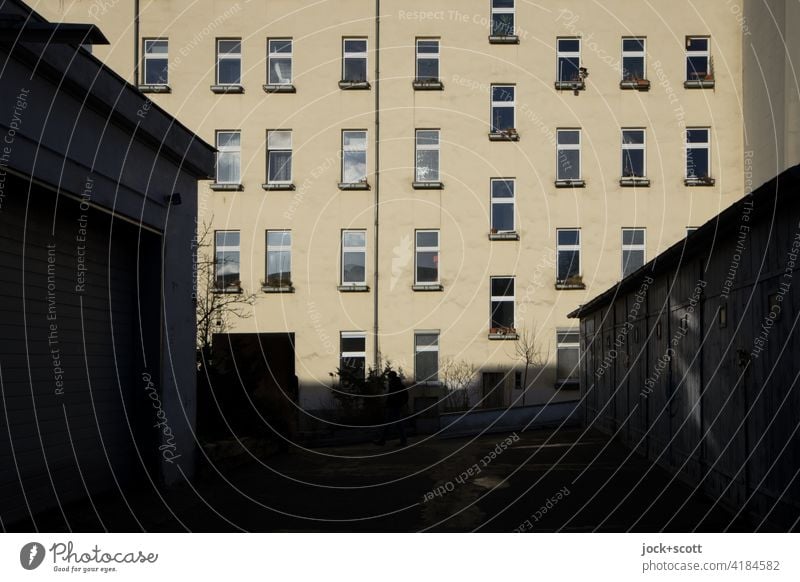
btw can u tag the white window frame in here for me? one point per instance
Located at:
(569, 248)
(345, 355)
(633, 54)
(503, 104)
(633, 146)
(282, 56)
(571, 345)
(229, 150)
(278, 249)
(355, 55)
(695, 53)
(567, 54)
(632, 246)
(270, 150)
(427, 249)
(351, 148)
(431, 148)
(353, 249)
(428, 56)
(421, 349)
(503, 298)
(226, 249)
(511, 11)
(512, 201)
(158, 56)
(570, 146)
(696, 146)
(229, 56)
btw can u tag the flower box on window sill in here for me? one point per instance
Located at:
(288, 288)
(427, 287)
(354, 185)
(354, 85)
(287, 88)
(574, 282)
(360, 288)
(227, 88)
(567, 385)
(699, 181)
(427, 185)
(234, 289)
(281, 187)
(502, 333)
(427, 85)
(570, 183)
(576, 85)
(705, 83)
(503, 235)
(503, 39)
(505, 135)
(635, 84)
(144, 88)
(634, 181)
(226, 187)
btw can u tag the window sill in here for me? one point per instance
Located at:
(570, 183)
(277, 187)
(503, 39)
(353, 288)
(699, 84)
(427, 85)
(639, 85)
(570, 85)
(155, 89)
(699, 182)
(567, 385)
(508, 235)
(427, 287)
(228, 290)
(427, 185)
(354, 85)
(504, 136)
(503, 335)
(218, 187)
(634, 182)
(222, 89)
(279, 89)
(353, 185)
(564, 286)
(277, 289)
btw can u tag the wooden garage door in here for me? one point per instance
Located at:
(67, 352)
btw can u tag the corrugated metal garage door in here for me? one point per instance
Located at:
(67, 352)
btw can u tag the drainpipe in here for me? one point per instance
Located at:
(377, 198)
(135, 42)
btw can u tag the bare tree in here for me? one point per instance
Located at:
(528, 350)
(457, 376)
(215, 307)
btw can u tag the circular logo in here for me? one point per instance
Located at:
(31, 555)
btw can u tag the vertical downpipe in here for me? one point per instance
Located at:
(377, 197)
(135, 42)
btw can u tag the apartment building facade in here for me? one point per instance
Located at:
(432, 185)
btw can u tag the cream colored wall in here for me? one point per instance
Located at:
(319, 110)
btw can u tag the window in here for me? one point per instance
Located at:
(354, 60)
(567, 357)
(503, 205)
(502, 17)
(229, 154)
(279, 258)
(427, 59)
(426, 356)
(354, 157)
(353, 357)
(354, 257)
(632, 250)
(279, 157)
(568, 268)
(698, 59)
(698, 159)
(427, 158)
(279, 61)
(502, 303)
(226, 259)
(427, 257)
(229, 61)
(568, 60)
(633, 58)
(156, 61)
(633, 153)
(569, 155)
(503, 108)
